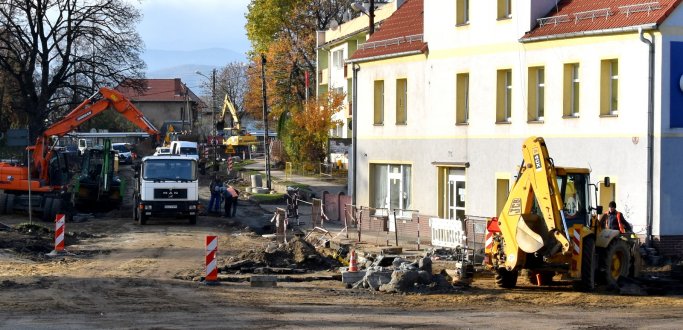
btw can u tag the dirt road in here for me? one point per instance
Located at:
(122, 275)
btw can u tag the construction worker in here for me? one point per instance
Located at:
(231, 196)
(614, 219)
(215, 201)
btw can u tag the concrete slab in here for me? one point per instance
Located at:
(263, 281)
(352, 277)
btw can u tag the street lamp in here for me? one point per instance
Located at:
(370, 11)
(213, 110)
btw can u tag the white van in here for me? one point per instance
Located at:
(185, 148)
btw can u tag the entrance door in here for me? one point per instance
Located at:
(456, 197)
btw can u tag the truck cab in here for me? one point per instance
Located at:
(166, 186)
(185, 148)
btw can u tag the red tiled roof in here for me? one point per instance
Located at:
(159, 90)
(400, 33)
(578, 16)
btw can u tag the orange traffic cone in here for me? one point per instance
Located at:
(352, 262)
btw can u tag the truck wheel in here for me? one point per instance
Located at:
(3, 203)
(587, 265)
(193, 219)
(47, 208)
(506, 279)
(9, 206)
(56, 208)
(617, 262)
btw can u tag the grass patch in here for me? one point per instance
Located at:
(294, 184)
(268, 198)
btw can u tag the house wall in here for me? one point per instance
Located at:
(159, 112)
(614, 146)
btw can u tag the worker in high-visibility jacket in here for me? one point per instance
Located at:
(616, 220)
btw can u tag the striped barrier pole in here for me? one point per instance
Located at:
(211, 270)
(59, 232)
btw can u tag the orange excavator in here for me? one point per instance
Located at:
(47, 178)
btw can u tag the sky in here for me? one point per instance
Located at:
(192, 25)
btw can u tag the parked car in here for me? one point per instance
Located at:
(125, 154)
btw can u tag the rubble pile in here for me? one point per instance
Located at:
(402, 276)
(297, 256)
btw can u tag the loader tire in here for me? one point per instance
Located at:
(47, 208)
(3, 203)
(617, 261)
(588, 265)
(505, 278)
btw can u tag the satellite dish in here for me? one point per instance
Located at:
(334, 24)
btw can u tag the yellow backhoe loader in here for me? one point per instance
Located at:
(549, 227)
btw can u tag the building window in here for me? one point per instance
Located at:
(607, 194)
(609, 87)
(401, 101)
(504, 9)
(502, 192)
(462, 12)
(536, 93)
(504, 96)
(379, 102)
(571, 90)
(462, 102)
(390, 187)
(338, 59)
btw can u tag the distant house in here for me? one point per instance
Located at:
(166, 101)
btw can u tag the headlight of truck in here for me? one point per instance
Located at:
(148, 207)
(193, 207)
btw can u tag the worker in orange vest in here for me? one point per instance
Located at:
(615, 219)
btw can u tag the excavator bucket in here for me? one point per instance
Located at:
(527, 239)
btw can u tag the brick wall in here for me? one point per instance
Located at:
(669, 246)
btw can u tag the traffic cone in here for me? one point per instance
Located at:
(352, 262)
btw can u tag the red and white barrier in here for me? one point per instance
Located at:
(211, 249)
(59, 232)
(353, 266)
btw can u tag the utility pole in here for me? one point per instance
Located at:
(266, 143)
(371, 16)
(213, 117)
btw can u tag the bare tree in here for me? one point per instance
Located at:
(232, 80)
(57, 52)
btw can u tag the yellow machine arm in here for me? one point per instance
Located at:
(228, 106)
(519, 222)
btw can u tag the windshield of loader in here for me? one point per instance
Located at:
(574, 190)
(181, 169)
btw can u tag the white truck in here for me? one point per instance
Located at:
(166, 186)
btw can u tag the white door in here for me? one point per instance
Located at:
(456, 197)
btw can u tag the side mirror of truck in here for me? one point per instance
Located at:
(598, 209)
(606, 181)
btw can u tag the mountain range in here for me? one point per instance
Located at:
(185, 64)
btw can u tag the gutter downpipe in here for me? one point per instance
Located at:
(650, 133)
(354, 133)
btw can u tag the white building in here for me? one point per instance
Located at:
(448, 90)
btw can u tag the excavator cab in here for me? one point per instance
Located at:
(574, 193)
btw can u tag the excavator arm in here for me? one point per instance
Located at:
(88, 109)
(228, 106)
(523, 229)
